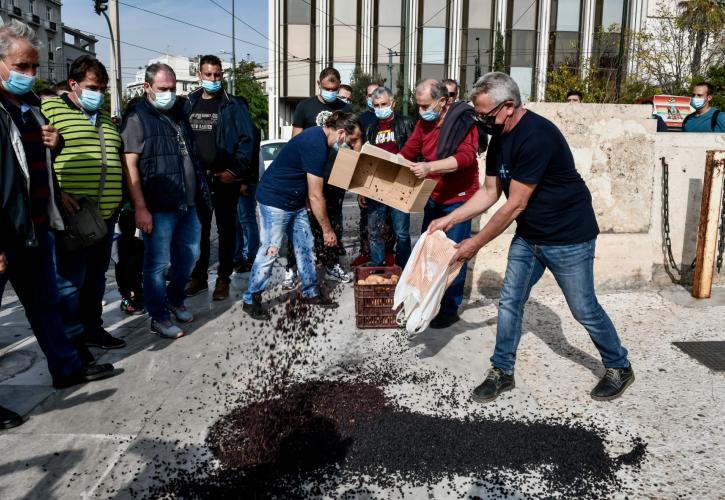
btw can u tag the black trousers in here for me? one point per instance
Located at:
(224, 199)
(129, 268)
(326, 256)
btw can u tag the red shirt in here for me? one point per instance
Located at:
(385, 138)
(452, 187)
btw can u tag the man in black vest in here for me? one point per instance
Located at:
(167, 185)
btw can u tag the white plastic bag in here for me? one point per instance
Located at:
(424, 280)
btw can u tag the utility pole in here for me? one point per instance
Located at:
(234, 52)
(102, 7)
(406, 51)
(390, 68)
(477, 71)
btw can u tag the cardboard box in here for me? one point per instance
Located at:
(381, 176)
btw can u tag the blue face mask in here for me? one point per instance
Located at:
(370, 102)
(91, 100)
(211, 87)
(328, 95)
(430, 115)
(18, 83)
(164, 100)
(697, 102)
(384, 113)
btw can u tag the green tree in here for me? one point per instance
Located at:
(716, 76)
(247, 86)
(702, 19)
(499, 63)
(359, 82)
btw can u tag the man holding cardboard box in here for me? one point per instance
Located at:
(294, 176)
(446, 138)
(556, 229)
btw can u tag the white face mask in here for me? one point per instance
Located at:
(163, 100)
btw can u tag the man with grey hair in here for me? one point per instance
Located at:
(166, 183)
(556, 229)
(389, 131)
(29, 211)
(446, 137)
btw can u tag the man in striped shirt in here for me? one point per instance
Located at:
(89, 166)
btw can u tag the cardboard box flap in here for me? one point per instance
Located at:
(344, 168)
(370, 150)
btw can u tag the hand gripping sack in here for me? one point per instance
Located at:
(424, 280)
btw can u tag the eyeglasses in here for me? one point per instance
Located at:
(451, 94)
(480, 116)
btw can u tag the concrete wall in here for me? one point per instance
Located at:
(618, 153)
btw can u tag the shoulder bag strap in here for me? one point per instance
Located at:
(104, 157)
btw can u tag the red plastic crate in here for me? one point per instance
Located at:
(374, 303)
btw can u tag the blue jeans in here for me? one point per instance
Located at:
(275, 223)
(174, 238)
(377, 215)
(573, 269)
(81, 276)
(247, 227)
(454, 294)
(31, 271)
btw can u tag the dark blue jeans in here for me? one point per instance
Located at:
(454, 295)
(247, 227)
(377, 215)
(31, 272)
(81, 276)
(174, 239)
(573, 269)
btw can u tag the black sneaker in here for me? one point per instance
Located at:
(613, 384)
(320, 301)
(444, 320)
(9, 419)
(88, 374)
(79, 342)
(255, 309)
(496, 382)
(103, 340)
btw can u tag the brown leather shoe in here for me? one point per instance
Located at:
(195, 286)
(221, 290)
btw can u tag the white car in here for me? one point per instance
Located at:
(268, 151)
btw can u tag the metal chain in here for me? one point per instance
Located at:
(666, 240)
(721, 239)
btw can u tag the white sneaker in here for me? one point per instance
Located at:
(290, 279)
(337, 273)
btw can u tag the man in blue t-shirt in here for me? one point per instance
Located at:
(706, 118)
(531, 163)
(294, 176)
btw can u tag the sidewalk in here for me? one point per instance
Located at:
(118, 437)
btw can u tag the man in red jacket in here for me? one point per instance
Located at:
(446, 140)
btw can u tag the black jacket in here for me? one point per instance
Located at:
(402, 127)
(16, 225)
(161, 165)
(237, 138)
(455, 128)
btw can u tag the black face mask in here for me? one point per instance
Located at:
(488, 125)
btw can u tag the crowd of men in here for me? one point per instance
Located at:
(174, 163)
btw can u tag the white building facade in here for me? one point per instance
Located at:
(186, 70)
(446, 39)
(44, 17)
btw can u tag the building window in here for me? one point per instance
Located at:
(388, 35)
(32, 6)
(477, 39)
(298, 58)
(432, 39)
(522, 16)
(49, 13)
(608, 21)
(564, 33)
(344, 37)
(299, 12)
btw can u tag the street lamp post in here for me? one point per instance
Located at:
(234, 52)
